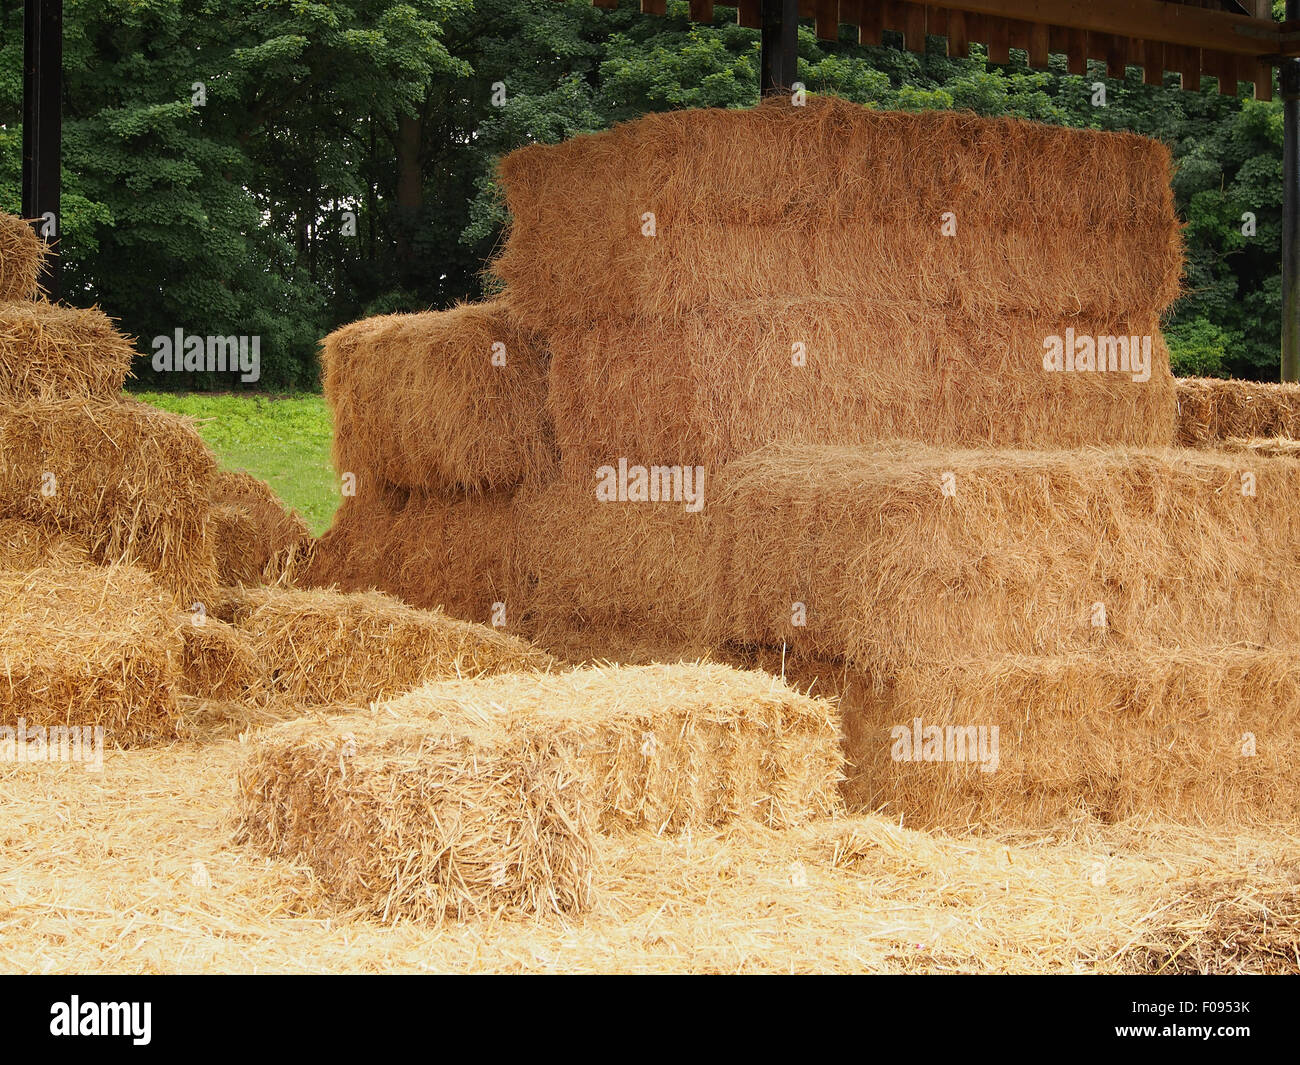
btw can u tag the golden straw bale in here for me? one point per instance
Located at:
(890, 557)
(1181, 735)
(429, 550)
(776, 202)
(21, 253)
(130, 479)
(418, 820)
(1211, 410)
(665, 747)
(439, 401)
(27, 546)
(328, 647)
(257, 530)
(218, 661)
(49, 352)
(712, 387)
(87, 645)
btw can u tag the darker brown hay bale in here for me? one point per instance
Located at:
(27, 546)
(330, 647)
(665, 747)
(88, 645)
(128, 478)
(740, 195)
(21, 253)
(715, 386)
(419, 402)
(218, 661)
(431, 551)
(49, 352)
(421, 820)
(1211, 410)
(1150, 732)
(892, 570)
(253, 537)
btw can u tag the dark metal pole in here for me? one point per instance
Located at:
(780, 47)
(43, 126)
(1289, 75)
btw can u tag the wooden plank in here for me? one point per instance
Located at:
(892, 16)
(608, 5)
(1187, 61)
(807, 8)
(936, 21)
(1223, 68)
(1153, 20)
(1018, 33)
(1076, 52)
(958, 42)
(828, 20)
(870, 24)
(654, 7)
(1117, 56)
(914, 27)
(1263, 78)
(701, 10)
(999, 40)
(1040, 45)
(749, 13)
(1153, 63)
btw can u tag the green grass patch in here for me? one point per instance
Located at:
(284, 440)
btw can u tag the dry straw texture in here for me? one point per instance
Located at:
(665, 747)
(218, 661)
(1211, 410)
(421, 820)
(25, 545)
(714, 386)
(429, 550)
(330, 647)
(419, 400)
(892, 570)
(250, 529)
(853, 895)
(50, 352)
(88, 645)
(1277, 446)
(128, 478)
(840, 201)
(21, 252)
(1188, 736)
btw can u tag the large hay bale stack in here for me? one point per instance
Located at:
(413, 819)
(1211, 410)
(851, 204)
(440, 401)
(665, 747)
(84, 646)
(50, 352)
(21, 252)
(335, 648)
(887, 558)
(1021, 741)
(129, 479)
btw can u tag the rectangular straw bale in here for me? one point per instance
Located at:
(418, 820)
(440, 400)
(49, 351)
(25, 545)
(666, 747)
(87, 645)
(590, 565)
(712, 387)
(429, 550)
(128, 478)
(250, 528)
(1203, 736)
(21, 253)
(837, 200)
(328, 647)
(1211, 410)
(890, 557)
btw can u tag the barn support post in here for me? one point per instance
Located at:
(1289, 75)
(780, 45)
(43, 126)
